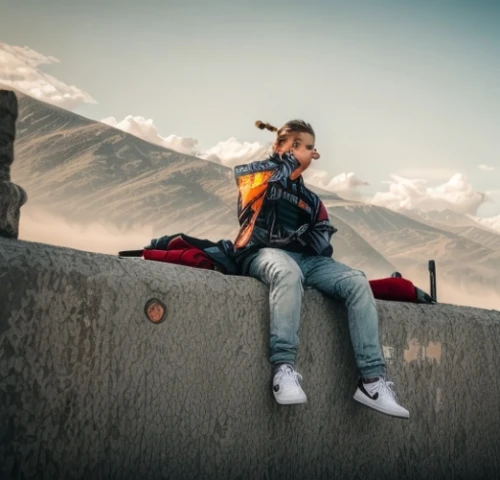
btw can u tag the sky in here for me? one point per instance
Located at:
(404, 95)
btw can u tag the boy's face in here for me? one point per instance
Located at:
(301, 145)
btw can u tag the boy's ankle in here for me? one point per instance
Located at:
(276, 366)
(370, 379)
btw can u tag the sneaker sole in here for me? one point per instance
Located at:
(291, 401)
(363, 399)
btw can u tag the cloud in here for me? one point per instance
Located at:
(19, 69)
(492, 223)
(345, 182)
(456, 194)
(426, 173)
(145, 129)
(486, 168)
(229, 153)
(233, 152)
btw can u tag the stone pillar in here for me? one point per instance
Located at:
(12, 197)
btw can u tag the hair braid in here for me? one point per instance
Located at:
(265, 126)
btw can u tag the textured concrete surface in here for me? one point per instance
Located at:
(12, 197)
(90, 388)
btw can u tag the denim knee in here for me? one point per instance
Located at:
(354, 282)
(289, 275)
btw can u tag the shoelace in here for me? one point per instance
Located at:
(290, 373)
(388, 387)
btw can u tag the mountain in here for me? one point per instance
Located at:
(409, 244)
(460, 224)
(442, 217)
(85, 172)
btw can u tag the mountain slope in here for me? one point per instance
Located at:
(86, 170)
(408, 243)
(459, 224)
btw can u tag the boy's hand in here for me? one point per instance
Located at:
(290, 145)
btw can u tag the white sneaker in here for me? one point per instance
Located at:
(380, 396)
(286, 386)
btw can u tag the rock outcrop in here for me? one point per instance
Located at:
(12, 197)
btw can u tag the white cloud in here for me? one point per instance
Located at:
(345, 182)
(233, 152)
(145, 129)
(19, 69)
(456, 194)
(230, 152)
(486, 168)
(492, 222)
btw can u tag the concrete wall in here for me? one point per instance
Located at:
(90, 388)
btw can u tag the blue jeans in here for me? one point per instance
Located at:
(286, 274)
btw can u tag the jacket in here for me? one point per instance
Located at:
(275, 211)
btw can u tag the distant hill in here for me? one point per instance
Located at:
(409, 244)
(459, 224)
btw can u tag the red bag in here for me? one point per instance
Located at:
(191, 257)
(394, 288)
